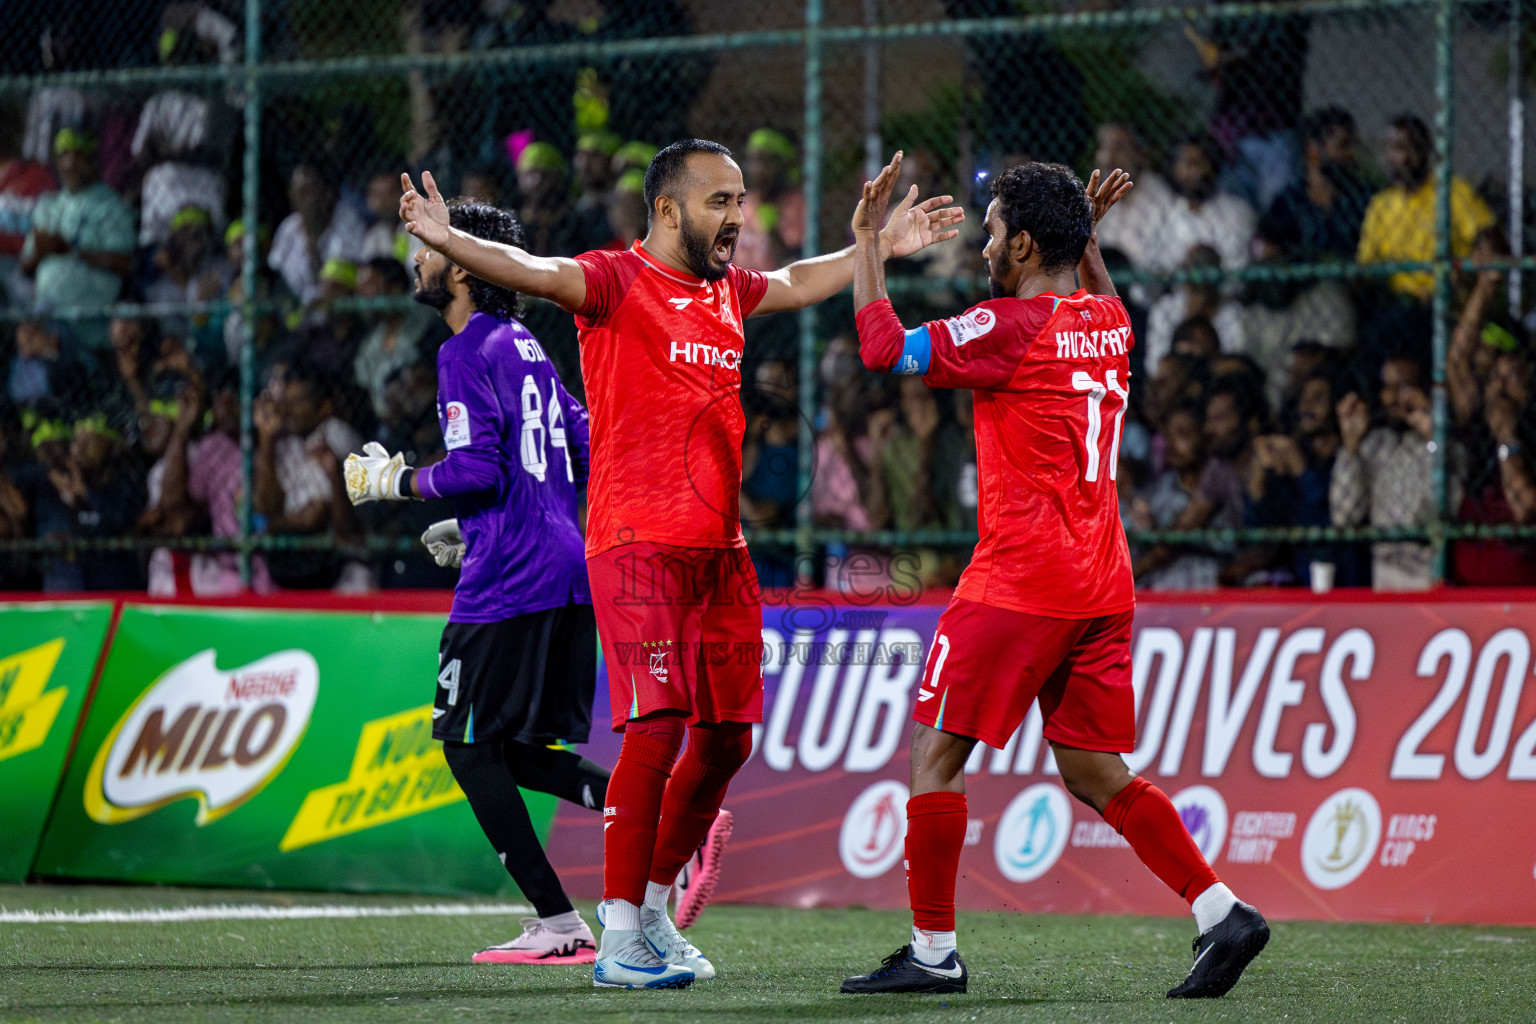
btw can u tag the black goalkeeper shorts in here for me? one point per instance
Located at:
(529, 678)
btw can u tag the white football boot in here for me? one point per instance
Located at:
(541, 944)
(625, 959)
(670, 945)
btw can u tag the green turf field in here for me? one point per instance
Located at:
(775, 965)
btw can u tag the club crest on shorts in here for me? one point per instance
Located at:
(657, 651)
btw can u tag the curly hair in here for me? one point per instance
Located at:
(1049, 202)
(485, 221)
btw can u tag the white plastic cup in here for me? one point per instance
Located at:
(1322, 577)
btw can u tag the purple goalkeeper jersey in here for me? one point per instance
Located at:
(517, 449)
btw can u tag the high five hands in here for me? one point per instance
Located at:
(912, 225)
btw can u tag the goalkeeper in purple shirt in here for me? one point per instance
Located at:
(518, 662)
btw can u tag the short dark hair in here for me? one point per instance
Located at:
(1416, 130)
(667, 168)
(1049, 202)
(487, 222)
(1324, 121)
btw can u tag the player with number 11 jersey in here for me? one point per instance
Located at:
(1043, 612)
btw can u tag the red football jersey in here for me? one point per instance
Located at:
(661, 359)
(1051, 379)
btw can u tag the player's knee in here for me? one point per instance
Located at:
(724, 746)
(464, 758)
(1091, 776)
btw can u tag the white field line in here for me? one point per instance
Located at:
(256, 912)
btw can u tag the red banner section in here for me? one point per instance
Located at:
(1340, 760)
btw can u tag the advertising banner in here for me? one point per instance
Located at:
(284, 749)
(1334, 760)
(48, 652)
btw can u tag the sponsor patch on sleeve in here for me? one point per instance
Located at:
(456, 426)
(971, 326)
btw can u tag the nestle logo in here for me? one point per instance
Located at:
(261, 685)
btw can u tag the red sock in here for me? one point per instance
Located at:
(935, 833)
(1147, 819)
(715, 753)
(633, 806)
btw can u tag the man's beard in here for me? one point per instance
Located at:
(699, 249)
(995, 287)
(433, 292)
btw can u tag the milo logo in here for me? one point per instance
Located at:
(218, 735)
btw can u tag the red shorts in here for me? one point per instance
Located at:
(988, 664)
(681, 630)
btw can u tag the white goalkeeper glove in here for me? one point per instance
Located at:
(445, 543)
(377, 475)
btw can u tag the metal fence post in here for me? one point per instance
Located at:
(1445, 126)
(1516, 150)
(805, 549)
(250, 254)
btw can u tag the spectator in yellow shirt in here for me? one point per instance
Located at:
(1400, 222)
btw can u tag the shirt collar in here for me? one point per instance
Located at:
(671, 273)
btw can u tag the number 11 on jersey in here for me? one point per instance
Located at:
(1082, 381)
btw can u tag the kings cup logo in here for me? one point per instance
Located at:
(219, 735)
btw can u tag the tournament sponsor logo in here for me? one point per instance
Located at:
(1204, 814)
(456, 432)
(1256, 834)
(26, 712)
(398, 770)
(656, 652)
(971, 326)
(874, 830)
(1341, 838)
(219, 735)
(1033, 832)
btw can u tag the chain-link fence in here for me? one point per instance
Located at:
(208, 294)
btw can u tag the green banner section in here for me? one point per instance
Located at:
(270, 748)
(47, 654)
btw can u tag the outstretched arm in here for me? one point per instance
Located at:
(557, 279)
(912, 226)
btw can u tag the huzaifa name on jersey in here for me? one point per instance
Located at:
(708, 355)
(1092, 344)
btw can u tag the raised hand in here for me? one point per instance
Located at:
(870, 213)
(916, 227)
(1106, 193)
(425, 216)
(912, 225)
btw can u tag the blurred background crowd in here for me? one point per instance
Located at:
(1285, 359)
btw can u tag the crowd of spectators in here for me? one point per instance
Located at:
(1264, 399)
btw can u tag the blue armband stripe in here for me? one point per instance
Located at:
(916, 351)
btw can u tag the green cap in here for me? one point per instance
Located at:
(44, 431)
(766, 140)
(540, 156)
(635, 154)
(191, 216)
(632, 180)
(96, 423)
(339, 271)
(73, 140)
(1496, 337)
(606, 143)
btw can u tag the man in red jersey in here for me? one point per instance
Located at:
(676, 598)
(1044, 609)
